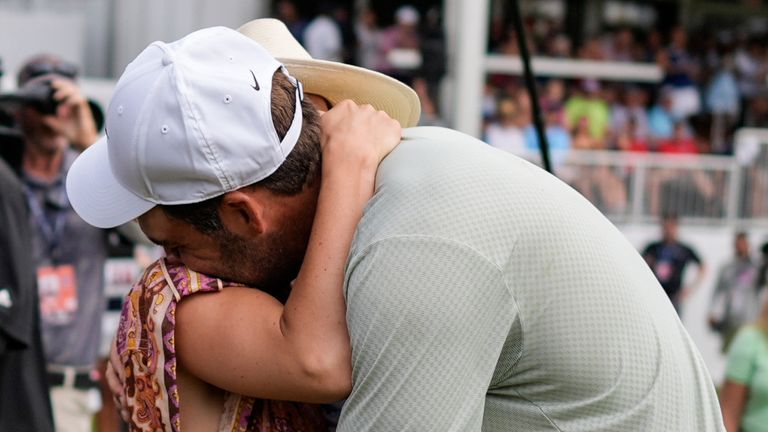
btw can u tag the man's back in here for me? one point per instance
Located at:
(485, 294)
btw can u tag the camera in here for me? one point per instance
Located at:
(37, 94)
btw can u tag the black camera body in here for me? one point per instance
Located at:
(35, 94)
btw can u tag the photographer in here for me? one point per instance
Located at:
(56, 123)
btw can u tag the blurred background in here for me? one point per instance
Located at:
(651, 108)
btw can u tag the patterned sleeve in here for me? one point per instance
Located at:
(741, 356)
(428, 319)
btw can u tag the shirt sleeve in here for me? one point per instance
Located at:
(741, 356)
(428, 319)
(693, 256)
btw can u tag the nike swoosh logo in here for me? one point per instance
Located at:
(255, 82)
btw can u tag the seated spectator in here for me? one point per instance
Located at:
(558, 139)
(661, 123)
(633, 110)
(681, 141)
(506, 133)
(554, 97)
(680, 71)
(587, 102)
(598, 183)
(629, 139)
(401, 44)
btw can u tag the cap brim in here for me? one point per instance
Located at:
(338, 81)
(95, 193)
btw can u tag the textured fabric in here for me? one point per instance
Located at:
(22, 365)
(76, 342)
(146, 345)
(485, 294)
(72, 409)
(748, 365)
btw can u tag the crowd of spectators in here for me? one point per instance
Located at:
(399, 49)
(711, 85)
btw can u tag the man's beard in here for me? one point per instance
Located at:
(269, 263)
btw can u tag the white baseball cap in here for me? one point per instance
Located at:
(188, 121)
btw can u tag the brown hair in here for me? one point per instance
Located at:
(300, 169)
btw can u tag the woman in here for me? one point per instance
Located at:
(744, 397)
(160, 392)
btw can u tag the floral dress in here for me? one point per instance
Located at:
(145, 343)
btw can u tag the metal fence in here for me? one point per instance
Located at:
(706, 189)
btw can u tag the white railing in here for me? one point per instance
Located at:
(706, 189)
(575, 68)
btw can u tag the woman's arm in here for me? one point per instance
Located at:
(733, 398)
(245, 341)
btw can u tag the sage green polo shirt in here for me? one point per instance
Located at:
(748, 365)
(485, 294)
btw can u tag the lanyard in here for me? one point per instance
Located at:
(51, 230)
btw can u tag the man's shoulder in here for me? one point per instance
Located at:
(652, 247)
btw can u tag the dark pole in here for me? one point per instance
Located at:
(517, 21)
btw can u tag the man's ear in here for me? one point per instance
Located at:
(242, 213)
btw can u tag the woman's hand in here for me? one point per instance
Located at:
(359, 134)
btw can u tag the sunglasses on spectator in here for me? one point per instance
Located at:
(67, 70)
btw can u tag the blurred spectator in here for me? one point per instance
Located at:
(681, 141)
(553, 98)
(762, 271)
(24, 405)
(69, 254)
(723, 102)
(744, 396)
(347, 30)
(558, 138)
(757, 114)
(592, 49)
(597, 183)
(623, 46)
(633, 110)
(401, 45)
(680, 71)
(433, 48)
(661, 122)
(735, 300)
(368, 34)
(630, 139)
(286, 11)
(505, 133)
(751, 67)
(559, 46)
(587, 102)
(322, 36)
(429, 113)
(669, 258)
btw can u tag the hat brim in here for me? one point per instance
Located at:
(95, 193)
(338, 81)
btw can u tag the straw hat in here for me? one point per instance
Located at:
(335, 81)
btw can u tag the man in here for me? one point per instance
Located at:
(68, 253)
(482, 293)
(22, 366)
(669, 258)
(735, 300)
